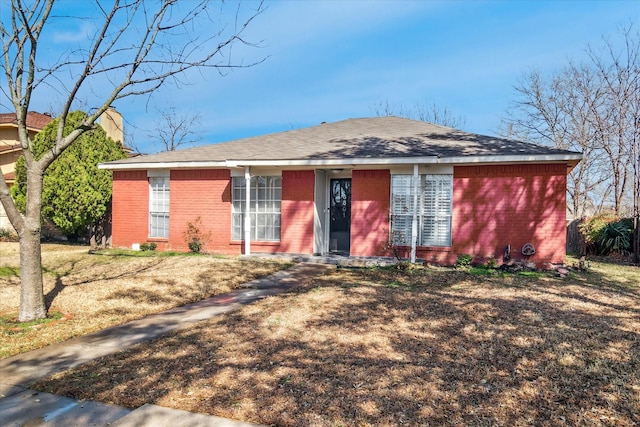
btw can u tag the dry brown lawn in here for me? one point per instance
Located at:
(381, 347)
(100, 291)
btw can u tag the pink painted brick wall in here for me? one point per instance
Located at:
(297, 212)
(130, 208)
(492, 206)
(204, 194)
(496, 206)
(370, 198)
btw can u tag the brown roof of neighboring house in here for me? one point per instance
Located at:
(11, 176)
(35, 121)
(378, 140)
(9, 148)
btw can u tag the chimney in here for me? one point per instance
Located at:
(111, 122)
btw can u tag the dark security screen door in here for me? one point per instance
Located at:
(340, 215)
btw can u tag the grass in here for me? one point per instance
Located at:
(9, 323)
(9, 271)
(608, 273)
(115, 252)
(423, 346)
(112, 288)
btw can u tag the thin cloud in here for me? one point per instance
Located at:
(80, 34)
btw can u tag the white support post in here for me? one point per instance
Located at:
(414, 220)
(247, 211)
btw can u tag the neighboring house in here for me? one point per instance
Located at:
(10, 149)
(349, 187)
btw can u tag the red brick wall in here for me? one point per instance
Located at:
(493, 206)
(297, 214)
(370, 196)
(130, 217)
(496, 206)
(207, 194)
(204, 194)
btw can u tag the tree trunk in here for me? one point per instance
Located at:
(636, 239)
(32, 292)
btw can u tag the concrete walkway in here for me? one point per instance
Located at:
(20, 406)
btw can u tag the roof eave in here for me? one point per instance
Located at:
(15, 125)
(570, 158)
(10, 148)
(162, 165)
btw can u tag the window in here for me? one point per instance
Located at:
(433, 210)
(159, 207)
(266, 195)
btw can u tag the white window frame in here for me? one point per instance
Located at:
(265, 208)
(159, 207)
(434, 208)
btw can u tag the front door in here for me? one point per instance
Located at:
(340, 215)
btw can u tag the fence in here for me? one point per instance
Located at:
(575, 240)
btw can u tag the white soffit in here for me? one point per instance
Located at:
(355, 162)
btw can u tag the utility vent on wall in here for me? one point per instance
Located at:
(528, 249)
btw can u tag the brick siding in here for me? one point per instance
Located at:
(493, 206)
(370, 196)
(203, 194)
(130, 217)
(496, 206)
(297, 212)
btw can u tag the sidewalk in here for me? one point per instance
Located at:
(20, 406)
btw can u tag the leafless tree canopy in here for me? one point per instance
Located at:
(423, 112)
(592, 107)
(130, 48)
(175, 130)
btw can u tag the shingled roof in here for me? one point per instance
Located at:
(35, 121)
(379, 140)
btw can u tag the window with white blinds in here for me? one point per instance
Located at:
(266, 198)
(159, 207)
(435, 196)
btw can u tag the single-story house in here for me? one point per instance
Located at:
(362, 187)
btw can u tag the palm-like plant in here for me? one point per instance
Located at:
(615, 237)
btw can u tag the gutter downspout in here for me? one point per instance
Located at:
(414, 220)
(247, 211)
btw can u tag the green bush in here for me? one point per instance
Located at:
(195, 246)
(615, 238)
(195, 237)
(7, 235)
(75, 192)
(151, 246)
(464, 260)
(607, 234)
(492, 263)
(591, 228)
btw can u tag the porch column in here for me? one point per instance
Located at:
(414, 220)
(247, 211)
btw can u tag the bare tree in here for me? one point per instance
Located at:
(556, 112)
(175, 130)
(635, 160)
(616, 110)
(421, 111)
(592, 108)
(133, 48)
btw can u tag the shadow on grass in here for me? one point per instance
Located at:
(69, 268)
(53, 293)
(144, 295)
(388, 348)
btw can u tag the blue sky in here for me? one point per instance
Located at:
(332, 60)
